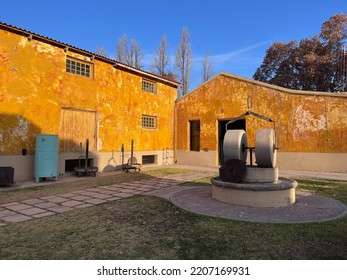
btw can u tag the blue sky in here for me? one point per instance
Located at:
(235, 33)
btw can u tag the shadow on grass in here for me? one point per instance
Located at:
(143, 227)
(333, 189)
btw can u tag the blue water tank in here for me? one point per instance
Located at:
(46, 156)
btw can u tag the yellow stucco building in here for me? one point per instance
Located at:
(48, 87)
(311, 127)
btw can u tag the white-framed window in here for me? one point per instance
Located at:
(149, 121)
(149, 86)
(78, 67)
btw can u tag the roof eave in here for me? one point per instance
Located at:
(141, 72)
(31, 35)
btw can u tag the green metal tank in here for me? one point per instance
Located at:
(46, 156)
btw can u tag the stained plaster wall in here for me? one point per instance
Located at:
(311, 128)
(34, 87)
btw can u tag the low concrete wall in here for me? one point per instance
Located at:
(208, 158)
(321, 162)
(24, 166)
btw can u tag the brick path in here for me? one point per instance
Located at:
(49, 205)
(307, 208)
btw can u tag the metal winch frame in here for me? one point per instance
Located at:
(262, 145)
(235, 149)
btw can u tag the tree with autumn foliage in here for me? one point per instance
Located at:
(316, 64)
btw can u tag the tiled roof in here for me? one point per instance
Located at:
(32, 35)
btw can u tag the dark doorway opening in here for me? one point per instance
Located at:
(238, 124)
(194, 135)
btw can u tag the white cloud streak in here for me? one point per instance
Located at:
(236, 54)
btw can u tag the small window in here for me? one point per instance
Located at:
(194, 135)
(149, 159)
(78, 68)
(149, 86)
(149, 121)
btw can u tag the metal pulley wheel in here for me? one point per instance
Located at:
(265, 148)
(234, 145)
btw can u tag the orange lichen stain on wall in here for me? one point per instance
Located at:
(30, 72)
(35, 86)
(120, 115)
(19, 131)
(303, 122)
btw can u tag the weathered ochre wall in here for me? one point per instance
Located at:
(34, 86)
(305, 121)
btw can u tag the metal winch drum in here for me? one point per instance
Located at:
(235, 147)
(252, 186)
(265, 148)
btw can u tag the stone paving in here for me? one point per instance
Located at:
(54, 204)
(308, 207)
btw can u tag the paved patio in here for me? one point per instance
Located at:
(308, 208)
(49, 205)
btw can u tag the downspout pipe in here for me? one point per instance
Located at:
(175, 131)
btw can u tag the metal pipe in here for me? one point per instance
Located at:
(86, 161)
(132, 151)
(122, 150)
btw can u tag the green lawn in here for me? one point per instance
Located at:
(143, 227)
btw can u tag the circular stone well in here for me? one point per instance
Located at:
(280, 193)
(260, 175)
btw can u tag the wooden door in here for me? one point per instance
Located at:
(75, 127)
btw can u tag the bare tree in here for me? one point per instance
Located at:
(122, 49)
(136, 54)
(101, 51)
(207, 67)
(161, 60)
(129, 54)
(184, 60)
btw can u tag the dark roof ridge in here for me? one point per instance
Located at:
(267, 85)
